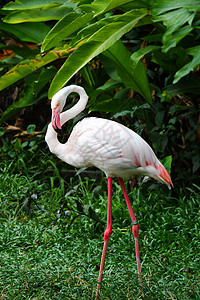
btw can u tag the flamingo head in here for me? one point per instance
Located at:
(55, 120)
(57, 105)
(159, 173)
(163, 176)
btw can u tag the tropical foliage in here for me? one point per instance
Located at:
(138, 61)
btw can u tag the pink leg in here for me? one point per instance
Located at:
(135, 227)
(107, 234)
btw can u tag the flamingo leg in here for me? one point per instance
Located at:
(135, 227)
(107, 234)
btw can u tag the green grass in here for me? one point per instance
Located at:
(51, 249)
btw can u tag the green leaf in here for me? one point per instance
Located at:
(167, 162)
(113, 105)
(31, 128)
(37, 15)
(90, 29)
(191, 66)
(136, 78)
(66, 26)
(102, 6)
(172, 39)
(153, 38)
(30, 4)
(28, 66)
(109, 85)
(110, 66)
(2, 131)
(45, 76)
(174, 17)
(165, 96)
(159, 7)
(174, 59)
(103, 92)
(97, 43)
(191, 85)
(21, 50)
(28, 32)
(159, 118)
(136, 56)
(176, 107)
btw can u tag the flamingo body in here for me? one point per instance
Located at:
(111, 147)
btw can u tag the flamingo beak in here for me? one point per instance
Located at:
(165, 177)
(55, 120)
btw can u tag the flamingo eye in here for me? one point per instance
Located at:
(58, 104)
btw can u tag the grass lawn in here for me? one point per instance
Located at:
(51, 249)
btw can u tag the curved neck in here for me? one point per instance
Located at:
(78, 107)
(51, 136)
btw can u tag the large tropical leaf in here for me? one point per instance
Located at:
(185, 85)
(30, 4)
(22, 50)
(170, 40)
(195, 62)
(37, 14)
(102, 6)
(172, 60)
(89, 30)
(162, 6)
(28, 32)
(66, 26)
(28, 66)
(114, 105)
(133, 78)
(97, 43)
(136, 56)
(109, 85)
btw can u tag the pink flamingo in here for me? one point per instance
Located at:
(109, 146)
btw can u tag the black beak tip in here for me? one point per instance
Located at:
(59, 131)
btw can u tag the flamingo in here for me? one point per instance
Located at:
(111, 147)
